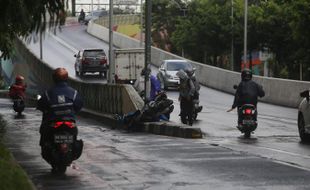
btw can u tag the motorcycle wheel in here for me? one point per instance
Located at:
(195, 116)
(247, 134)
(60, 169)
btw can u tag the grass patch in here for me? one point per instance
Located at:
(12, 176)
(129, 30)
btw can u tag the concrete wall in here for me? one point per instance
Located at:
(278, 91)
(104, 98)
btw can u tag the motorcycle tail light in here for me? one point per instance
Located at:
(58, 124)
(66, 123)
(248, 111)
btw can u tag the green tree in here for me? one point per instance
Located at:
(21, 17)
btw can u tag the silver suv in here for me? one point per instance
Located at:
(168, 70)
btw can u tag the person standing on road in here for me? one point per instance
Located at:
(187, 91)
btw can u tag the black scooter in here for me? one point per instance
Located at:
(18, 105)
(247, 113)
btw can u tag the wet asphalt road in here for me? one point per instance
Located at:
(114, 159)
(276, 138)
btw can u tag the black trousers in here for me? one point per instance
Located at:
(187, 110)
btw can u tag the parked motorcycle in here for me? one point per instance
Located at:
(62, 146)
(18, 105)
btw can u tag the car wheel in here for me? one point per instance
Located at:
(304, 137)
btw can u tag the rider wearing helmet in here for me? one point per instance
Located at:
(247, 92)
(61, 102)
(18, 89)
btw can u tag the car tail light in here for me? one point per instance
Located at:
(66, 123)
(248, 111)
(103, 61)
(84, 61)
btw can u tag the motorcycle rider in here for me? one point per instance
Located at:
(17, 90)
(60, 103)
(247, 93)
(187, 91)
(154, 82)
(81, 16)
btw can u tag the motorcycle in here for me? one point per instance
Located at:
(18, 105)
(248, 123)
(247, 113)
(62, 146)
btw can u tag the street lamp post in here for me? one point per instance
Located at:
(232, 35)
(111, 58)
(141, 24)
(148, 23)
(245, 30)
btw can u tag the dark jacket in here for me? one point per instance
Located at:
(60, 103)
(247, 93)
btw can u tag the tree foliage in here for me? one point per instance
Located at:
(21, 17)
(205, 33)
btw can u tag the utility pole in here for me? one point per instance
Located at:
(148, 23)
(73, 7)
(141, 24)
(111, 55)
(232, 35)
(245, 30)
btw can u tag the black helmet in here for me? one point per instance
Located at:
(189, 72)
(60, 74)
(246, 74)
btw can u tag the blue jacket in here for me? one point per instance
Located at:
(60, 103)
(155, 87)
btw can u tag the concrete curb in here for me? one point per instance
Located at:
(159, 128)
(63, 43)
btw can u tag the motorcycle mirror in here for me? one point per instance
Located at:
(75, 55)
(235, 86)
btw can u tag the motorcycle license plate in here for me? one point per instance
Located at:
(248, 122)
(63, 138)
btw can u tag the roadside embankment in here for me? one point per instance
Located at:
(12, 176)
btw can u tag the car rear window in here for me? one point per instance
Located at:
(176, 66)
(93, 53)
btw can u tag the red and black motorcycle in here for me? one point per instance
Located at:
(248, 119)
(62, 146)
